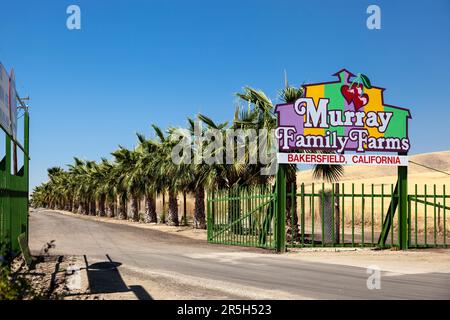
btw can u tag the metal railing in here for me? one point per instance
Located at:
(427, 216)
(351, 215)
(342, 215)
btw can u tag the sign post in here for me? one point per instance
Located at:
(280, 223)
(402, 207)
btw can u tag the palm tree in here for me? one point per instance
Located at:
(167, 174)
(134, 183)
(77, 172)
(201, 176)
(124, 161)
(107, 186)
(158, 175)
(98, 176)
(54, 173)
(89, 186)
(147, 150)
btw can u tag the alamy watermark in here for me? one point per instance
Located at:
(225, 146)
(374, 280)
(373, 21)
(73, 21)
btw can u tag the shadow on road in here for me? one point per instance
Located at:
(104, 277)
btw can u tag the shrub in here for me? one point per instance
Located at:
(13, 288)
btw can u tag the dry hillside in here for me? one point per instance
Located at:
(386, 175)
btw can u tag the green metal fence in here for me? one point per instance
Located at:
(242, 216)
(330, 215)
(427, 216)
(341, 215)
(14, 194)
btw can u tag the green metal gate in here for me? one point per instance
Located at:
(14, 193)
(242, 216)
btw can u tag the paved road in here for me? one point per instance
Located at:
(233, 271)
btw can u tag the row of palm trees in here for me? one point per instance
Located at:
(115, 187)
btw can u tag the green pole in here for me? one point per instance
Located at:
(403, 207)
(26, 166)
(280, 231)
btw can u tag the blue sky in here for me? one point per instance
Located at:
(134, 63)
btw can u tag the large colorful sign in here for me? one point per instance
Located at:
(340, 116)
(8, 102)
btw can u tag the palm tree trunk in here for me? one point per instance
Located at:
(92, 208)
(337, 218)
(82, 207)
(122, 214)
(292, 231)
(162, 216)
(199, 211)
(184, 209)
(150, 209)
(164, 202)
(101, 206)
(110, 209)
(172, 215)
(134, 208)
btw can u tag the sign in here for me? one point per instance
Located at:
(13, 104)
(8, 102)
(343, 159)
(345, 115)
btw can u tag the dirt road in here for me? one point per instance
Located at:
(157, 265)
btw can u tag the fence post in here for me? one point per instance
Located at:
(280, 231)
(403, 207)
